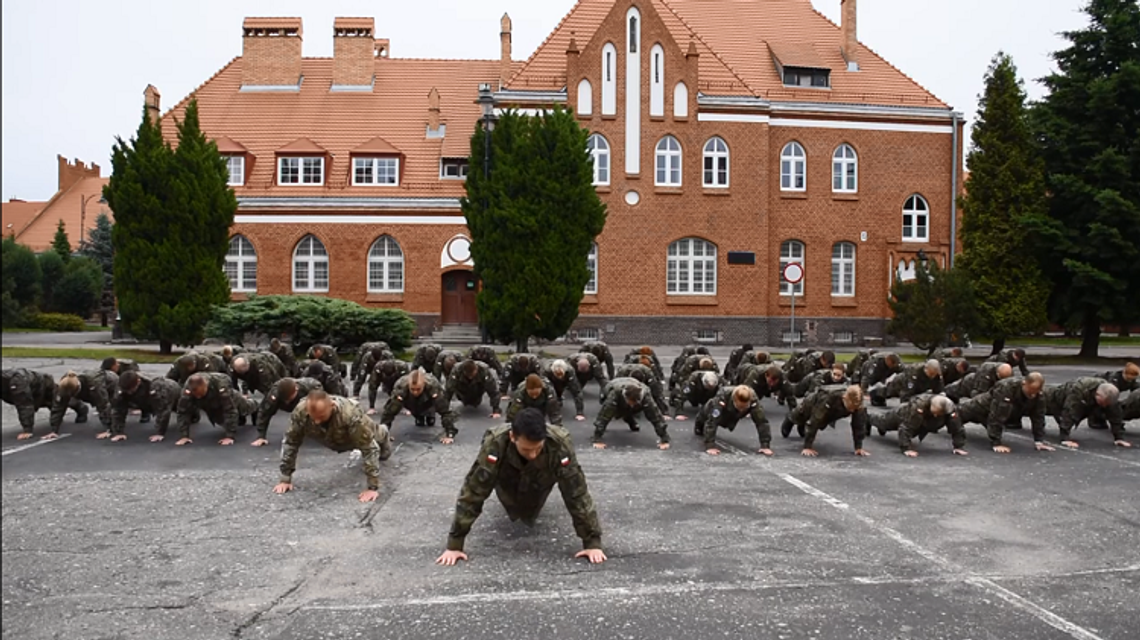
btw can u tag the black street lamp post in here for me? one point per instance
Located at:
(487, 103)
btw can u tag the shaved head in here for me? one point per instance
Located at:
(319, 406)
(240, 364)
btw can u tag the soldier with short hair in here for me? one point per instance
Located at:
(445, 361)
(95, 387)
(488, 356)
(726, 409)
(340, 425)
(119, 366)
(328, 355)
(625, 398)
(193, 362)
(954, 369)
(158, 396)
(921, 416)
(687, 351)
(470, 380)
(423, 396)
(285, 354)
(259, 371)
(521, 463)
(695, 362)
(638, 354)
(562, 378)
(213, 394)
(587, 367)
(915, 379)
(425, 356)
(701, 387)
(1009, 401)
(734, 359)
(385, 375)
(855, 367)
(330, 380)
(824, 407)
(1012, 357)
(516, 370)
(285, 395)
(537, 393)
(1125, 379)
(643, 373)
(978, 382)
(360, 369)
(1085, 397)
(601, 351)
(812, 360)
(765, 380)
(29, 391)
(229, 351)
(837, 374)
(367, 364)
(878, 368)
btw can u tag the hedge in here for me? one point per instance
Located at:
(57, 322)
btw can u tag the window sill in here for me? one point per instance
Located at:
(667, 191)
(680, 118)
(850, 197)
(590, 298)
(657, 118)
(384, 297)
(603, 188)
(240, 296)
(843, 301)
(794, 195)
(915, 241)
(716, 191)
(786, 301)
(633, 176)
(690, 301)
(609, 117)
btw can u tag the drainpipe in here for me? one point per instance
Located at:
(954, 188)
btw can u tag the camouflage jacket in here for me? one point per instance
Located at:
(193, 362)
(734, 360)
(597, 368)
(722, 412)
(437, 369)
(425, 357)
(876, 369)
(568, 382)
(488, 356)
(950, 373)
(686, 352)
(646, 376)
(264, 371)
(158, 396)
(756, 377)
(525, 485)
(125, 365)
(358, 368)
(694, 391)
(635, 356)
(1075, 400)
(1010, 357)
(28, 391)
(96, 387)
(275, 401)
(1004, 403)
(915, 381)
(824, 406)
(329, 355)
(1117, 379)
(601, 351)
(368, 363)
(818, 379)
(288, 359)
(385, 374)
(915, 420)
(347, 429)
(799, 368)
(978, 381)
(221, 402)
(326, 375)
(468, 389)
(693, 363)
(614, 404)
(431, 399)
(1130, 407)
(855, 367)
(547, 402)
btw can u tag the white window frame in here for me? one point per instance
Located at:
(372, 163)
(585, 98)
(235, 165)
(787, 256)
(911, 209)
(601, 155)
(683, 267)
(303, 163)
(243, 258)
(310, 259)
(845, 169)
(842, 265)
(669, 150)
(720, 163)
(463, 164)
(592, 265)
(382, 265)
(793, 163)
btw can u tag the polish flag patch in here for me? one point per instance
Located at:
(566, 462)
(492, 458)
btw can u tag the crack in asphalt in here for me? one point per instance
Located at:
(241, 628)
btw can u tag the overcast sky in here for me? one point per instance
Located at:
(74, 72)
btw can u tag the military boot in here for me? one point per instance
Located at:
(420, 421)
(632, 422)
(430, 419)
(786, 427)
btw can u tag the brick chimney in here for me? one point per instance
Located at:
(72, 172)
(504, 51)
(152, 99)
(850, 33)
(354, 52)
(271, 52)
(433, 109)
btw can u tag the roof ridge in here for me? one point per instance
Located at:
(190, 96)
(489, 60)
(709, 47)
(47, 205)
(545, 42)
(883, 60)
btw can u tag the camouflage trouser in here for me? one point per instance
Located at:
(527, 513)
(1131, 406)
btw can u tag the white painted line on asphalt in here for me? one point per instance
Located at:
(724, 445)
(1087, 453)
(25, 447)
(1042, 614)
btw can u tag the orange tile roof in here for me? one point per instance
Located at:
(302, 145)
(797, 54)
(229, 145)
(16, 214)
(376, 145)
(39, 231)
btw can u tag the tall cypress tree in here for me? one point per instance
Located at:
(60, 243)
(532, 225)
(1088, 128)
(1005, 194)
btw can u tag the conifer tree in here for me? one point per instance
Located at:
(99, 248)
(60, 244)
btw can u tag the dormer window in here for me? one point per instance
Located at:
(383, 172)
(235, 169)
(453, 169)
(805, 77)
(300, 170)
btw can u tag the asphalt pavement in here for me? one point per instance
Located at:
(141, 540)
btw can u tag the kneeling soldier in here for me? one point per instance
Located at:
(824, 407)
(729, 407)
(158, 396)
(521, 463)
(285, 395)
(1009, 401)
(923, 415)
(1086, 397)
(213, 394)
(470, 381)
(94, 387)
(422, 396)
(339, 424)
(28, 391)
(625, 398)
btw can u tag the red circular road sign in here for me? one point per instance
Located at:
(793, 272)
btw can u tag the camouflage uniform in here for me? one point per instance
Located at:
(1130, 406)
(915, 420)
(1117, 379)
(800, 367)
(29, 391)
(721, 411)
(877, 370)
(96, 388)
(517, 368)
(432, 400)
(855, 367)
(488, 356)
(597, 370)
(289, 359)
(911, 382)
(470, 390)
(1075, 400)
(385, 374)
(734, 360)
(275, 401)
(821, 409)
(686, 352)
(437, 367)
(347, 429)
(756, 377)
(694, 392)
(950, 372)
(975, 383)
(366, 366)
(635, 356)
(329, 356)
(327, 376)
(568, 382)
(264, 371)
(1004, 404)
(193, 362)
(523, 486)
(818, 379)
(645, 376)
(221, 404)
(546, 402)
(425, 357)
(689, 365)
(359, 369)
(125, 365)
(158, 396)
(1013, 357)
(615, 406)
(602, 352)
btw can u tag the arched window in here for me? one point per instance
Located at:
(681, 100)
(845, 170)
(385, 266)
(668, 162)
(585, 98)
(791, 251)
(793, 168)
(843, 269)
(609, 80)
(916, 219)
(310, 266)
(600, 150)
(657, 82)
(592, 265)
(691, 267)
(716, 163)
(241, 265)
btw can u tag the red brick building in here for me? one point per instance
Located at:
(731, 138)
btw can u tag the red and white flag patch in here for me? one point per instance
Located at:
(566, 462)
(492, 458)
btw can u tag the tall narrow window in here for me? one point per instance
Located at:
(681, 100)
(609, 80)
(657, 82)
(668, 162)
(845, 170)
(235, 167)
(241, 265)
(600, 150)
(585, 98)
(633, 34)
(791, 251)
(385, 266)
(716, 163)
(843, 269)
(310, 266)
(592, 265)
(916, 214)
(793, 168)
(690, 267)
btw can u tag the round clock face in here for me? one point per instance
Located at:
(459, 249)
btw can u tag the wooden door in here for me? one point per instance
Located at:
(459, 291)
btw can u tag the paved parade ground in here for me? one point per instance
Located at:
(152, 541)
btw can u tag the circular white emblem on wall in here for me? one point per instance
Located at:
(459, 249)
(632, 198)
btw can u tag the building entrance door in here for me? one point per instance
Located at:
(459, 290)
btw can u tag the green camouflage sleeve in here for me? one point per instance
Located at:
(294, 436)
(907, 431)
(1071, 415)
(265, 412)
(447, 416)
(605, 416)
(1000, 410)
(763, 429)
(858, 428)
(553, 409)
(391, 409)
(476, 489)
(230, 412)
(119, 410)
(365, 437)
(514, 405)
(1114, 415)
(653, 413)
(373, 387)
(491, 388)
(710, 414)
(957, 431)
(1037, 419)
(165, 402)
(579, 502)
(58, 408)
(452, 384)
(816, 421)
(575, 392)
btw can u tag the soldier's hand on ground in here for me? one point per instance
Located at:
(961, 452)
(225, 442)
(664, 446)
(156, 438)
(118, 438)
(1072, 444)
(183, 441)
(260, 442)
(371, 412)
(1041, 446)
(579, 417)
(867, 454)
(713, 452)
(50, 436)
(599, 445)
(407, 413)
(102, 435)
(767, 452)
(1123, 443)
(450, 558)
(910, 454)
(25, 436)
(681, 418)
(283, 487)
(369, 495)
(496, 416)
(447, 440)
(596, 556)
(809, 453)
(1001, 448)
